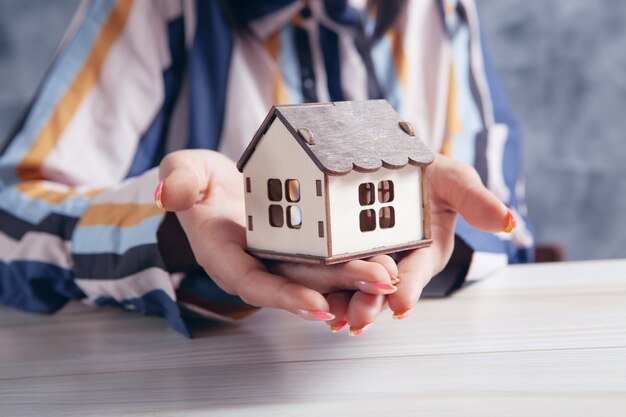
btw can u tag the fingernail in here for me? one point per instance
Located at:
(157, 195)
(510, 222)
(376, 287)
(338, 327)
(359, 330)
(394, 280)
(403, 315)
(315, 315)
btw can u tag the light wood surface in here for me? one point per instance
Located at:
(536, 340)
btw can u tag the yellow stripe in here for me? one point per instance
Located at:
(121, 215)
(272, 44)
(30, 166)
(36, 190)
(399, 58)
(453, 121)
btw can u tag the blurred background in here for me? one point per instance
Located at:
(563, 64)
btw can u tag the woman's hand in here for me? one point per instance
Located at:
(205, 190)
(455, 188)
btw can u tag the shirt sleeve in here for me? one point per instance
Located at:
(77, 217)
(496, 150)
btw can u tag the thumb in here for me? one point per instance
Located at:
(183, 181)
(458, 188)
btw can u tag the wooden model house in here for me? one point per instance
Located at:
(330, 182)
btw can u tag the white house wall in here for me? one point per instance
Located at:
(278, 155)
(346, 235)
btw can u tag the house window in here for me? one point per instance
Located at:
(386, 217)
(274, 189)
(248, 185)
(294, 217)
(385, 192)
(367, 197)
(276, 215)
(292, 190)
(366, 194)
(367, 220)
(276, 212)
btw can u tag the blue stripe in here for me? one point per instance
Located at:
(464, 143)
(57, 81)
(329, 42)
(209, 63)
(36, 286)
(153, 303)
(289, 64)
(33, 210)
(112, 239)
(387, 74)
(152, 145)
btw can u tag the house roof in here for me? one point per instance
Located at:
(359, 135)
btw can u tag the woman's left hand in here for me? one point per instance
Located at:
(454, 188)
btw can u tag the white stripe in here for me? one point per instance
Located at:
(477, 62)
(189, 14)
(99, 144)
(136, 190)
(133, 286)
(249, 95)
(178, 131)
(484, 264)
(266, 25)
(428, 53)
(496, 141)
(353, 71)
(170, 9)
(37, 247)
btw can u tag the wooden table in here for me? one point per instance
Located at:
(535, 340)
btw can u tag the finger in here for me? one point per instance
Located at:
(371, 277)
(363, 311)
(458, 187)
(187, 177)
(241, 274)
(262, 289)
(338, 306)
(389, 264)
(415, 271)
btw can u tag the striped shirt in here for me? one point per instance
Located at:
(134, 80)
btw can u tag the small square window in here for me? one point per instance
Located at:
(294, 217)
(367, 220)
(276, 215)
(274, 189)
(366, 193)
(292, 190)
(386, 217)
(385, 191)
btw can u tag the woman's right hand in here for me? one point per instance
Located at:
(205, 190)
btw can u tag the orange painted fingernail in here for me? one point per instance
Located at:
(403, 315)
(315, 315)
(394, 280)
(338, 327)
(376, 287)
(157, 195)
(511, 223)
(359, 330)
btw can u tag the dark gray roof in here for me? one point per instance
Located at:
(359, 135)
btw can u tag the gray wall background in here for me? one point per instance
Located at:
(563, 64)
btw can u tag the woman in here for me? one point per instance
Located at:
(135, 82)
